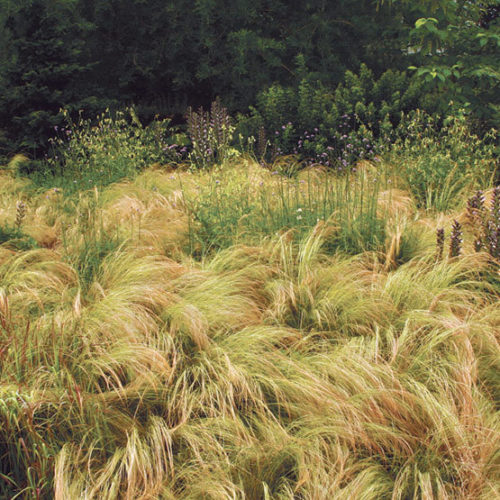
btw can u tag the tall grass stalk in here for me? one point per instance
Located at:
(225, 212)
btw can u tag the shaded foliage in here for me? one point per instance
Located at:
(166, 56)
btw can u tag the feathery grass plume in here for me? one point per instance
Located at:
(406, 239)
(336, 297)
(17, 162)
(456, 239)
(157, 224)
(277, 367)
(444, 286)
(37, 280)
(396, 207)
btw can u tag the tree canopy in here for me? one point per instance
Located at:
(163, 56)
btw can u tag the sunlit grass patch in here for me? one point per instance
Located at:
(179, 337)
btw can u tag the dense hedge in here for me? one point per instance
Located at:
(163, 56)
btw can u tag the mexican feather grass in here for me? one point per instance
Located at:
(135, 364)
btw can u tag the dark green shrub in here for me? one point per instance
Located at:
(441, 159)
(333, 127)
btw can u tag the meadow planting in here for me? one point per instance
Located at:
(218, 325)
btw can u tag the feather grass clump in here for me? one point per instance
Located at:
(291, 358)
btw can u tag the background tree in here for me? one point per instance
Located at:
(42, 70)
(457, 44)
(163, 56)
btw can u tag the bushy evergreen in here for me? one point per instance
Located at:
(166, 56)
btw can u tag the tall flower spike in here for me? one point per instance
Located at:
(475, 208)
(439, 243)
(492, 238)
(456, 239)
(220, 123)
(495, 207)
(20, 213)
